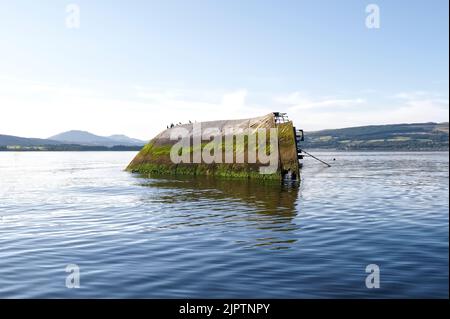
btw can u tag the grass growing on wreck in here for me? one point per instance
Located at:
(219, 170)
(287, 150)
(154, 159)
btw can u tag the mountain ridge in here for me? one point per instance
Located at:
(90, 139)
(404, 137)
(428, 136)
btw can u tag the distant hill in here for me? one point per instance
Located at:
(128, 140)
(86, 138)
(6, 140)
(395, 137)
(71, 141)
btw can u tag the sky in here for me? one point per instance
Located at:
(133, 67)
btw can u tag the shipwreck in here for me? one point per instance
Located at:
(265, 147)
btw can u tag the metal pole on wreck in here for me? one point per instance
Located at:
(318, 159)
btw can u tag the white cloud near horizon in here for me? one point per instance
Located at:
(299, 101)
(338, 112)
(42, 110)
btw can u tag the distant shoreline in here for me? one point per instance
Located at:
(61, 151)
(309, 150)
(71, 148)
(378, 150)
(415, 137)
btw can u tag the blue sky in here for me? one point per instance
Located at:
(134, 66)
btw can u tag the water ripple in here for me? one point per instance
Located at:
(138, 237)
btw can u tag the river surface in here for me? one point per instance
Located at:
(136, 237)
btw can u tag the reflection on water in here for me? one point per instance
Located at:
(269, 207)
(137, 237)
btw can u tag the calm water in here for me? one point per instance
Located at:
(140, 237)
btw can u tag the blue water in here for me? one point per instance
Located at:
(138, 237)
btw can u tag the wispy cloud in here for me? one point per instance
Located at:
(298, 101)
(422, 99)
(41, 109)
(201, 105)
(316, 112)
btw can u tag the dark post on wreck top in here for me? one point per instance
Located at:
(281, 118)
(298, 133)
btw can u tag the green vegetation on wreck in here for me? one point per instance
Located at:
(154, 158)
(218, 170)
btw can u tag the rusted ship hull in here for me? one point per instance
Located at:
(155, 157)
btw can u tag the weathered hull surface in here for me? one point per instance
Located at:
(154, 158)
